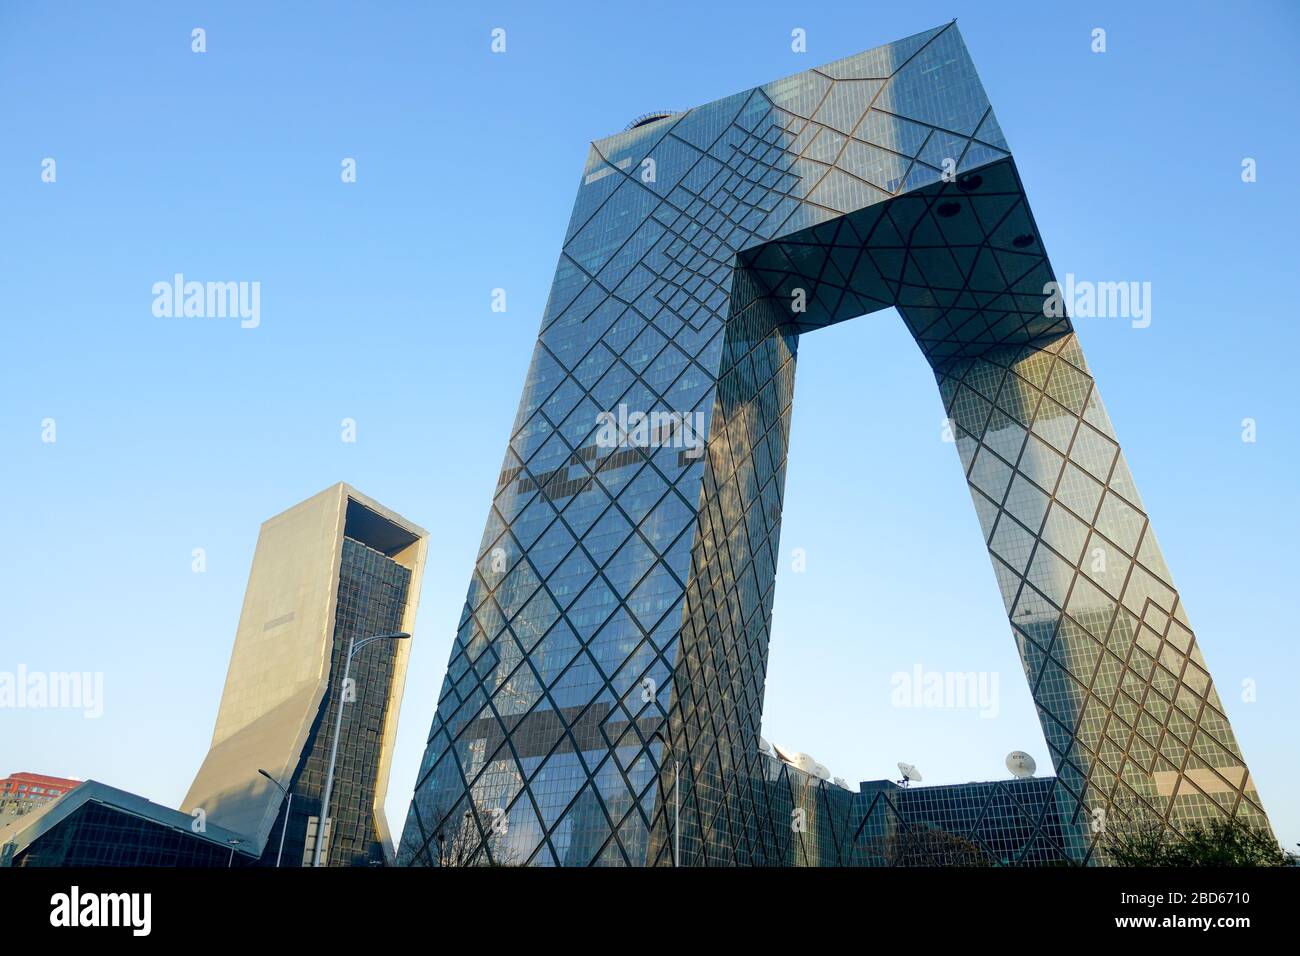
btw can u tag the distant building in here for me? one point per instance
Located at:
(99, 825)
(808, 819)
(21, 793)
(336, 567)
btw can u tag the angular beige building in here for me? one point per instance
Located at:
(335, 567)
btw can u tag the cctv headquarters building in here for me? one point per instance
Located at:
(603, 701)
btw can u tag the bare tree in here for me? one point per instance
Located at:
(458, 841)
(930, 846)
(1132, 834)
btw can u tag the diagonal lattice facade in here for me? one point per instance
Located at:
(624, 589)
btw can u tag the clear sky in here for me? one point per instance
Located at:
(176, 434)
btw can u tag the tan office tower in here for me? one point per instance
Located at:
(336, 567)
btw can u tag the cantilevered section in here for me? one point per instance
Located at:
(280, 670)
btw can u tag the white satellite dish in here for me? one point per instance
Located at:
(909, 773)
(1021, 764)
(806, 763)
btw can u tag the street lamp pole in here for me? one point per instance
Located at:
(287, 807)
(353, 646)
(677, 801)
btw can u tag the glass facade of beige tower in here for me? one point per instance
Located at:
(618, 615)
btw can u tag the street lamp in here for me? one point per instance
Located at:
(287, 807)
(677, 801)
(353, 646)
(233, 844)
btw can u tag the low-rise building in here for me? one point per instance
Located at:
(23, 792)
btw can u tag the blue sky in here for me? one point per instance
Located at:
(375, 306)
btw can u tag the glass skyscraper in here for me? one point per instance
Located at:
(611, 657)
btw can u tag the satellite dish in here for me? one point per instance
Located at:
(1021, 764)
(806, 763)
(909, 773)
(782, 754)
